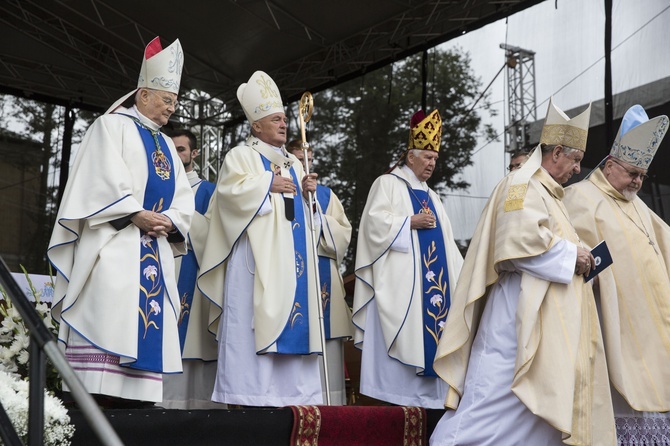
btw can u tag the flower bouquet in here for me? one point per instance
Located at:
(14, 364)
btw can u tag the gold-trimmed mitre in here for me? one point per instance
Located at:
(639, 137)
(559, 129)
(161, 69)
(425, 131)
(259, 97)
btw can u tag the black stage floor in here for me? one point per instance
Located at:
(239, 427)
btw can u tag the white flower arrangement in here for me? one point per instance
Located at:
(14, 362)
(14, 397)
(15, 339)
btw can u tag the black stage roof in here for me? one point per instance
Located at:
(87, 53)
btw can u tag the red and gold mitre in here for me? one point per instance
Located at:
(425, 131)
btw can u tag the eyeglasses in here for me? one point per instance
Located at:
(169, 102)
(632, 174)
(514, 166)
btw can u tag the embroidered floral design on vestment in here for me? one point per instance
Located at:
(437, 291)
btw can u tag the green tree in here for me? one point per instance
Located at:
(360, 128)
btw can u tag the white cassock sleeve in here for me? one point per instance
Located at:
(555, 265)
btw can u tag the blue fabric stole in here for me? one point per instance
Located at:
(189, 265)
(294, 339)
(323, 197)
(158, 195)
(435, 279)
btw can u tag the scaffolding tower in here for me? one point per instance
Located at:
(521, 103)
(206, 117)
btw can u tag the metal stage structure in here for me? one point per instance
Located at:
(521, 100)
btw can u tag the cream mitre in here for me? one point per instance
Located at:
(559, 129)
(161, 70)
(639, 137)
(259, 97)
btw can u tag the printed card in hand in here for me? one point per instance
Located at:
(603, 259)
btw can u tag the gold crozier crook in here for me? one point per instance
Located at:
(305, 109)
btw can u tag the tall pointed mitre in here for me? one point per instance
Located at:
(161, 70)
(639, 137)
(259, 97)
(425, 131)
(560, 130)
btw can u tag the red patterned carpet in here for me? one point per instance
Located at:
(358, 425)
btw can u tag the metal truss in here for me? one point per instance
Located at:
(92, 45)
(417, 25)
(521, 100)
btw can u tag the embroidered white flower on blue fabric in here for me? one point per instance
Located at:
(155, 306)
(150, 272)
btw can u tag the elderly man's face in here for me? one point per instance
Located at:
(271, 129)
(157, 105)
(623, 177)
(562, 165)
(422, 164)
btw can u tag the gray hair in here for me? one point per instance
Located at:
(547, 148)
(415, 152)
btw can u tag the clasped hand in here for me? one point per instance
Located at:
(153, 223)
(422, 221)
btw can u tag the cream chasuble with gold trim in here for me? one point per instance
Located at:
(560, 373)
(634, 292)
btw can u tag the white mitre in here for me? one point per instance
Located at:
(560, 130)
(259, 97)
(161, 70)
(639, 137)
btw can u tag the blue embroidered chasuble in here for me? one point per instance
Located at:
(435, 279)
(158, 195)
(294, 339)
(189, 265)
(323, 197)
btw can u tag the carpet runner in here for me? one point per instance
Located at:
(358, 425)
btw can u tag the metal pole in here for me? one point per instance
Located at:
(8, 434)
(38, 378)
(42, 337)
(305, 112)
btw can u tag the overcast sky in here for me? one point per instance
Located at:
(568, 39)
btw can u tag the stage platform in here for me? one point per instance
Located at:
(238, 427)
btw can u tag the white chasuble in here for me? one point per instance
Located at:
(634, 291)
(250, 244)
(389, 299)
(98, 266)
